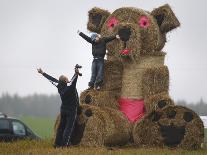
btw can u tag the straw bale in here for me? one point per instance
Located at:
(174, 127)
(155, 80)
(96, 18)
(142, 41)
(100, 98)
(166, 19)
(135, 73)
(112, 75)
(157, 102)
(101, 127)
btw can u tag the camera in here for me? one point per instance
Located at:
(78, 66)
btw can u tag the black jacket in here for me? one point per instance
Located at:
(98, 48)
(68, 94)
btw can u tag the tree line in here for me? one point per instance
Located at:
(49, 105)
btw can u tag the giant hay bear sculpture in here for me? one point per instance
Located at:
(135, 75)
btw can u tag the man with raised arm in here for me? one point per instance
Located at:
(69, 105)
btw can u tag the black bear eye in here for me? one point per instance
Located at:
(88, 113)
(161, 104)
(154, 116)
(171, 114)
(188, 116)
(88, 99)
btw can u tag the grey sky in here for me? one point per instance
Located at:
(42, 33)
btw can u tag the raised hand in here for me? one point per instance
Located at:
(40, 70)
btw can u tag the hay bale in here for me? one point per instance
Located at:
(166, 19)
(142, 41)
(174, 127)
(100, 127)
(112, 75)
(157, 102)
(155, 80)
(100, 98)
(96, 18)
(134, 76)
(57, 122)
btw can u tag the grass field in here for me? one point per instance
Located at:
(44, 126)
(45, 148)
(41, 126)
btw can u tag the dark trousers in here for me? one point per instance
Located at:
(65, 128)
(97, 72)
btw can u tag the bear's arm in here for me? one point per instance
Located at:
(155, 80)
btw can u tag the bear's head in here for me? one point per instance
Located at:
(141, 32)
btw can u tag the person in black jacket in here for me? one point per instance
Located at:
(68, 110)
(99, 52)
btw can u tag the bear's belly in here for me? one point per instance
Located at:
(132, 83)
(133, 74)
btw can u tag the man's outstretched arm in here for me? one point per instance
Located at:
(47, 76)
(88, 39)
(108, 39)
(72, 84)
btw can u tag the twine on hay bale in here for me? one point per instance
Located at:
(100, 127)
(174, 126)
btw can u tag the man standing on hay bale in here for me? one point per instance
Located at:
(68, 110)
(99, 52)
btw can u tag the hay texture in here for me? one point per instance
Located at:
(96, 18)
(100, 127)
(166, 19)
(174, 127)
(155, 80)
(135, 75)
(112, 76)
(157, 102)
(144, 40)
(100, 98)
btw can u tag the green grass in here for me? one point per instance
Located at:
(39, 125)
(205, 135)
(45, 148)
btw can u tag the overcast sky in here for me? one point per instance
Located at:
(42, 33)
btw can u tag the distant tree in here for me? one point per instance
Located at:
(48, 105)
(199, 107)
